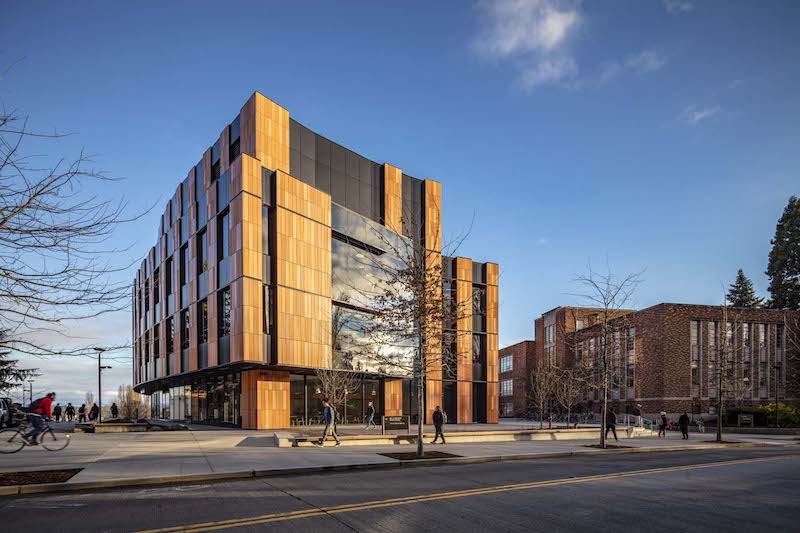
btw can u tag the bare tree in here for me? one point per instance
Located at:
(336, 385)
(129, 402)
(609, 294)
(56, 262)
(403, 308)
(568, 384)
(730, 368)
(89, 399)
(541, 387)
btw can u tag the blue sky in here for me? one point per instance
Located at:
(643, 133)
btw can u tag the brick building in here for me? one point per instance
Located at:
(665, 357)
(515, 362)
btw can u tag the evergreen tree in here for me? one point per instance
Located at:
(741, 293)
(10, 374)
(784, 259)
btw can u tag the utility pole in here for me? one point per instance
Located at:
(30, 384)
(100, 369)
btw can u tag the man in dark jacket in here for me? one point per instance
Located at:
(611, 423)
(329, 417)
(93, 412)
(82, 413)
(683, 422)
(57, 412)
(114, 410)
(439, 419)
(69, 412)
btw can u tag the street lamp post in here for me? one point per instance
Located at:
(777, 405)
(30, 393)
(100, 369)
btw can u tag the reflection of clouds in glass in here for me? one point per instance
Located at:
(356, 349)
(362, 273)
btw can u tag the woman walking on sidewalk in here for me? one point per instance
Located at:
(371, 416)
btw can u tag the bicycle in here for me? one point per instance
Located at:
(13, 440)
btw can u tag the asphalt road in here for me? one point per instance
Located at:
(711, 490)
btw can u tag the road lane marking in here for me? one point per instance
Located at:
(407, 500)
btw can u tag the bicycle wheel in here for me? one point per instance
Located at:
(11, 441)
(53, 441)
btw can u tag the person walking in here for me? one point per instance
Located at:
(439, 419)
(329, 417)
(69, 412)
(662, 425)
(637, 412)
(57, 412)
(371, 416)
(93, 412)
(683, 422)
(611, 423)
(114, 410)
(82, 413)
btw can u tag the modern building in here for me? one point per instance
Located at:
(667, 357)
(263, 247)
(516, 362)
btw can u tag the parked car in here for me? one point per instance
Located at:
(6, 412)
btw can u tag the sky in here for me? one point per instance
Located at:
(655, 135)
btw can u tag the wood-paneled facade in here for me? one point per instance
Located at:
(239, 285)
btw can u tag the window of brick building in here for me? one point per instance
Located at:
(507, 387)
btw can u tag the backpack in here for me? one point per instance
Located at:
(444, 417)
(35, 404)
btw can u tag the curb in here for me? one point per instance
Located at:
(14, 490)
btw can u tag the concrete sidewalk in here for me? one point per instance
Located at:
(159, 457)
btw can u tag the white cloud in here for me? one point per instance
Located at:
(678, 7)
(645, 62)
(535, 34)
(693, 115)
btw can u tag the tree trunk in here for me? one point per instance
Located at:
(421, 414)
(541, 416)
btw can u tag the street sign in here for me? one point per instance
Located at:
(395, 423)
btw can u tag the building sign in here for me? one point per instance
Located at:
(395, 423)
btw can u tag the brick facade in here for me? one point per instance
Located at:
(521, 355)
(665, 366)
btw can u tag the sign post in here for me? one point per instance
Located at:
(394, 423)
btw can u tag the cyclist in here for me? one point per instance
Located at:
(39, 411)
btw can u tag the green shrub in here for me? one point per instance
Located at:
(788, 415)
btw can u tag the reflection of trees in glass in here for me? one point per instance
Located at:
(225, 313)
(478, 300)
(335, 385)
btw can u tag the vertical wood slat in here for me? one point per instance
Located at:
(493, 403)
(393, 397)
(303, 273)
(464, 322)
(464, 391)
(432, 201)
(393, 198)
(265, 399)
